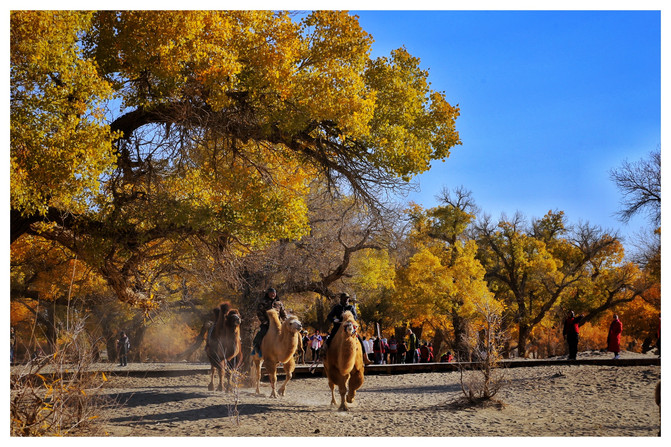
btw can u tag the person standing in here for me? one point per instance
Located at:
(425, 353)
(304, 344)
(377, 350)
(413, 345)
(393, 350)
(368, 348)
(571, 333)
(315, 344)
(385, 351)
(614, 333)
(402, 350)
(123, 346)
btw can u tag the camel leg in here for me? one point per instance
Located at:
(229, 373)
(211, 385)
(257, 373)
(221, 378)
(289, 370)
(271, 368)
(342, 388)
(355, 382)
(332, 386)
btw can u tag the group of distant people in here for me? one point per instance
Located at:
(409, 350)
(379, 350)
(571, 333)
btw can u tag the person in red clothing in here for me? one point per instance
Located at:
(378, 351)
(447, 357)
(614, 336)
(425, 353)
(571, 331)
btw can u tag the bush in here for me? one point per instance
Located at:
(486, 345)
(58, 394)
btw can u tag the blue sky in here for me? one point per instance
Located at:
(550, 102)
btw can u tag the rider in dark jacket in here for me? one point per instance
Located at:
(269, 301)
(335, 316)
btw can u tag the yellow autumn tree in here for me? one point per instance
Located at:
(437, 290)
(534, 269)
(47, 282)
(60, 140)
(442, 276)
(135, 134)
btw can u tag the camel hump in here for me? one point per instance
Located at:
(347, 316)
(224, 308)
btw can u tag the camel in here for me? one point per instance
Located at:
(223, 345)
(278, 345)
(343, 363)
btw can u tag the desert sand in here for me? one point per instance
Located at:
(542, 401)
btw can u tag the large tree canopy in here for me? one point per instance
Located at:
(135, 131)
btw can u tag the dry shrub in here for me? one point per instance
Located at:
(486, 378)
(58, 394)
(237, 380)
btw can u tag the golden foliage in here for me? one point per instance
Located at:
(152, 130)
(60, 142)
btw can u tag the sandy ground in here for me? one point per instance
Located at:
(575, 400)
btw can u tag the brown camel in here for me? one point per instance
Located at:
(223, 345)
(343, 363)
(279, 345)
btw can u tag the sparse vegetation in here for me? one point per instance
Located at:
(57, 394)
(486, 378)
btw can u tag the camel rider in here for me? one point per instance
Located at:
(269, 301)
(336, 317)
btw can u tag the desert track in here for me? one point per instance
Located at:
(591, 397)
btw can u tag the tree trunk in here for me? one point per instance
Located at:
(524, 332)
(248, 314)
(459, 344)
(47, 318)
(136, 342)
(110, 343)
(321, 305)
(438, 339)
